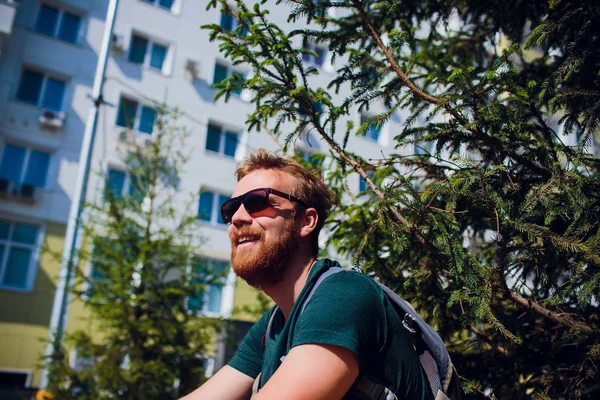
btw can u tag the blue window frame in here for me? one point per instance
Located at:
(167, 4)
(115, 181)
(126, 113)
(144, 51)
(320, 51)
(209, 300)
(223, 72)
(158, 55)
(209, 207)
(372, 131)
(222, 141)
(147, 119)
(362, 185)
(18, 243)
(22, 165)
(132, 115)
(57, 23)
(137, 49)
(41, 90)
(230, 23)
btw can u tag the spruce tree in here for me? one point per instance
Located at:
(140, 340)
(494, 232)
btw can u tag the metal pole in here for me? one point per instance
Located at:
(72, 238)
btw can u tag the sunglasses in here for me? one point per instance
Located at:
(254, 201)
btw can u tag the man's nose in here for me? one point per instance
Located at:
(241, 217)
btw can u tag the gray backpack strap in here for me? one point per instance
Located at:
(269, 325)
(368, 389)
(255, 386)
(329, 272)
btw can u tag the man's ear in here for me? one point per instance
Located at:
(308, 222)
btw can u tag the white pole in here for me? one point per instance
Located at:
(62, 296)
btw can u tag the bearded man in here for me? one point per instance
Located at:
(315, 350)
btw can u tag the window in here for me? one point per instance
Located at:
(24, 166)
(14, 379)
(18, 242)
(223, 72)
(372, 131)
(422, 147)
(132, 115)
(209, 207)
(319, 50)
(302, 112)
(167, 4)
(215, 272)
(41, 90)
(230, 23)
(221, 140)
(106, 254)
(57, 23)
(120, 184)
(144, 51)
(362, 184)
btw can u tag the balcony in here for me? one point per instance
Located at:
(8, 10)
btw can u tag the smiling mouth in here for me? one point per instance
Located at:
(246, 240)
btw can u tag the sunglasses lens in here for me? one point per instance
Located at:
(229, 208)
(256, 201)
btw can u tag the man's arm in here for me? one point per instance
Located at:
(313, 371)
(227, 384)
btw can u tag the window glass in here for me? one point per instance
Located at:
(231, 140)
(226, 21)
(240, 81)
(115, 182)
(214, 298)
(17, 266)
(321, 54)
(12, 163)
(53, 94)
(46, 20)
(158, 55)
(69, 28)
(137, 51)
(30, 86)
(205, 206)
(213, 138)
(147, 118)
(37, 168)
(166, 4)
(137, 188)
(220, 73)
(126, 114)
(24, 233)
(4, 230)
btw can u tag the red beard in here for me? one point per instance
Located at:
(264, 264)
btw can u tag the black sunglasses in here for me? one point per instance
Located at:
(254, 201)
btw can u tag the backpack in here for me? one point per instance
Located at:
(433, 356)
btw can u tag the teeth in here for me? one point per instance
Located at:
(245, 239)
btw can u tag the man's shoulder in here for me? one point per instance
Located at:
(348, 285)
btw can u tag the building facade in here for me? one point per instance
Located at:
(48, 55)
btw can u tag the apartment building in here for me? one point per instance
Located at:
(48, 55)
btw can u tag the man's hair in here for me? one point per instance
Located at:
(309, 188)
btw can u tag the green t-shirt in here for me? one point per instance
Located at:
(347, 310)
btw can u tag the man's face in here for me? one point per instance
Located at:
(262, 243)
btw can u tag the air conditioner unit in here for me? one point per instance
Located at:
(52, 120)
(117, 42)
(6, 187)
(192, 67)
(27, 192)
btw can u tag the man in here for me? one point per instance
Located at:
(346, 330)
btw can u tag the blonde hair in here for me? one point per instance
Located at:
(309, 188)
